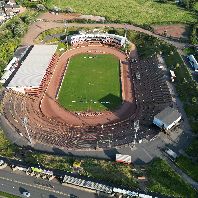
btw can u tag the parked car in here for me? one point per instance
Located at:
(26, 194)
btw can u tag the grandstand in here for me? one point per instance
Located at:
(104, 38)
(152, 96)
(144, 90)
(32, 71)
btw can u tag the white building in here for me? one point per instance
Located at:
(167, 118)
(97, 36)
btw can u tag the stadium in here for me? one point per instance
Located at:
(92, 96)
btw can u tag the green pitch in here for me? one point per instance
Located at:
(91, 82)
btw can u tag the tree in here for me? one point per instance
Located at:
(27, 19)
(188, 4)
(68, 10)
(19, 30)
(40, 7)
(194, 100)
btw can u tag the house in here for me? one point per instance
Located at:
(2, 16)
(11, 2)
(7, 6)
(16, 8)
(2, 4)
(9, 12)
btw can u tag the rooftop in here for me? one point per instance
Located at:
(33, 68)
(168, 115)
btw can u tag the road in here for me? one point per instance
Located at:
(15, 183)
(38, 27)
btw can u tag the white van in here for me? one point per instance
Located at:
(171, 154)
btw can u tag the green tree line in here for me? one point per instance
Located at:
(10, 36)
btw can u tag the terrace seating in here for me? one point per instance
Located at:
(152, 95)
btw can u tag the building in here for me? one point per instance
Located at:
(104, 38)
(9, 11)
(11, 2)
(2, 4)
(167, 118)
(19, 55)
(16, 8)
(2, 15)
(7, 6)
(193, 62)
(33, 69)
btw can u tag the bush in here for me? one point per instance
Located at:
(68, 10)
(192, 150)
(188, 166)
(7, 149)
(194, 34)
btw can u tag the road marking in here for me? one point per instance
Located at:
(147, 153)
(35, 186)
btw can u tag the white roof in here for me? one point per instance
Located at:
(6, 75)
(123, 158)
(97, 34)
(172, 73)
(11, 63)
(34, 67)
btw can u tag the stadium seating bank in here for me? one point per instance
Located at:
(151, 96)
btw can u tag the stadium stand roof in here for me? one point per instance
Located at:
(33, 68)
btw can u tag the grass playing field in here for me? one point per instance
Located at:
(91, 82)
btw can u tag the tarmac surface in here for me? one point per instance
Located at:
(16, 183)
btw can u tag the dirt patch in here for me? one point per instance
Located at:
(176, 31)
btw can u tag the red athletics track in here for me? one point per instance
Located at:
(52, 109)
